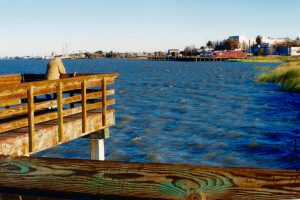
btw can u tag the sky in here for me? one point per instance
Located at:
(39, 27)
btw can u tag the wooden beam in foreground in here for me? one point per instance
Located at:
(116, 180)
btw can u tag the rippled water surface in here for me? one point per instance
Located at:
(204, 113)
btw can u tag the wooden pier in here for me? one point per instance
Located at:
(30, 123)
(83, 108)
(189, 59)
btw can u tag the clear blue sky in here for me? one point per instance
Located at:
(38, 27)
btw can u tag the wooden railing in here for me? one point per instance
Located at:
(8, 80)
(88, 92)
(79, 179)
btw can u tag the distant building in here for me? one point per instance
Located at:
(275, 41)
(244, 42)
(295, 51)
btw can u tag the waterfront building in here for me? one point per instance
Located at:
(295, 51)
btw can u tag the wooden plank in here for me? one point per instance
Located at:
(83, 103)
(9, 102)
(48, 86)
(66, 82)
(42, 105)
(15, 143)
(10, 77)
(49, 116)
(30, 104)
(60, 118)
(119, 180)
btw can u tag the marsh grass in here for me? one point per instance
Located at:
(269, 59)
(264, 68)
(287, 76)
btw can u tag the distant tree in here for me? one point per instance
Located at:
(260, 52)
(111, 54)
(190, 51)
(258, 40)
(220, 46)
(209, 44)
(231, 44)
(174, 54)
(99, 52)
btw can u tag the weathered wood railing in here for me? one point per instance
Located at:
(20, 115)
(77, 179)
(8, 80)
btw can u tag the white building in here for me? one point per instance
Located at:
(274, 41)
(244, 42)
(295, 51)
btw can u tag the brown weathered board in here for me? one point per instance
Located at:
(108, 180)
(16, 142)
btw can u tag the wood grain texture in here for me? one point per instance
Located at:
(107, 180)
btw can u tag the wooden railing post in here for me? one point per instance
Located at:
(83, 103)
(97, 138)
(60, 118)
(30, 105)
(103, 88)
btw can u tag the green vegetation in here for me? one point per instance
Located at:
(286, 75)
(270, 59)
(263, 68)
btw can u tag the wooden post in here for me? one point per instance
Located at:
(30, 105)
(97, 138)
(83, 105)
(97, 144)
(103, 88)
(60, 118)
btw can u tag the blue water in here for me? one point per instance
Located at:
(204, 113)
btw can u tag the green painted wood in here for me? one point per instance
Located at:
(108, 180)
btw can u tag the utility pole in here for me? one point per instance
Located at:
(249, 48)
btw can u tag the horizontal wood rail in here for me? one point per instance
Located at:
(6, 80)
(10, 92)
(68, 92)
(77, 179)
